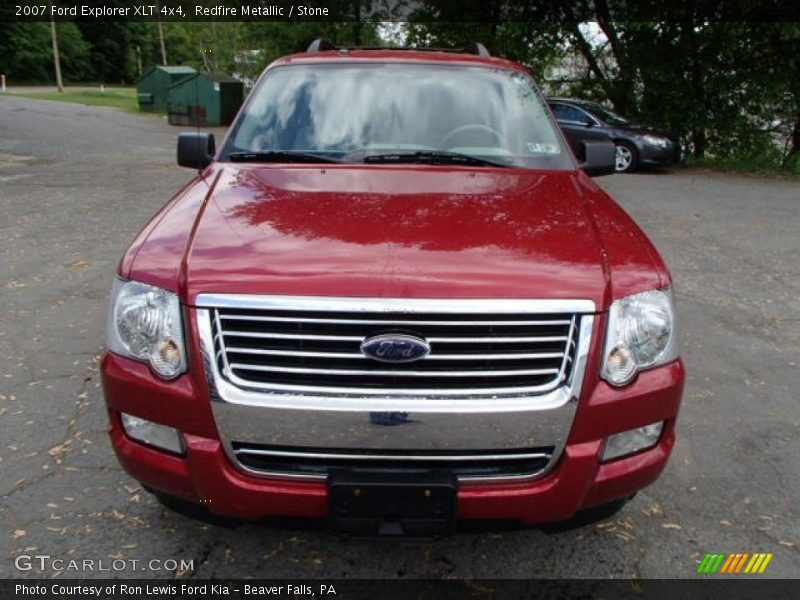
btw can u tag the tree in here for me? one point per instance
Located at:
(113, 45)
(775, 64)
(26, 52)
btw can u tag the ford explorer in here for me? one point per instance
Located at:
(395, 299)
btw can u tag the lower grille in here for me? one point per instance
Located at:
(469, 466)
(312, 345)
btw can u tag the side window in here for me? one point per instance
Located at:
(565, 112)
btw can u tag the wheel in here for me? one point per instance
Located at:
(626, 158)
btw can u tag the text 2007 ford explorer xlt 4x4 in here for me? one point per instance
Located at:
(395, 299)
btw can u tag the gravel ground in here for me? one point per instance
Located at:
(77, 182)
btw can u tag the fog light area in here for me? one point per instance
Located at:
(152, 434)
(634, 440)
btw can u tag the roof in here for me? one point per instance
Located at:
(390, 55)
(177, 69)
(169, 69)
(572, 100)
(321, 44)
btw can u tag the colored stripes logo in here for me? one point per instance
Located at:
(734, 564)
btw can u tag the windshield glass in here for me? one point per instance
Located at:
(606, 115)
(352, 112)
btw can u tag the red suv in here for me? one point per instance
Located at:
(395, 299)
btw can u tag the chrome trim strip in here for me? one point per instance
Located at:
(219, 337)
(471, 479)
(399, 305)
(387, 321)
(343, 391)
(398, 373)
(359, 356)
(358, 338)
(497, 340)
(507, 478)
(463, 479)
(578, 373)
(570, 336)
(290, 336)
(354, 456)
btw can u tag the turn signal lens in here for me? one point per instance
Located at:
(620, 365)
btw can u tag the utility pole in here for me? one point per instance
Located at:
(161, 36)
(56, 57)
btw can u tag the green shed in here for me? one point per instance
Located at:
(151, 88)
(204, 99)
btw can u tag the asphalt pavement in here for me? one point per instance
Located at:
(76, 184)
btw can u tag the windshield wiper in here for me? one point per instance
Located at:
(288, 156)
(433, 157)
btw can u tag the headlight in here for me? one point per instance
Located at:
(641, 335)
(656, 141)
(144, 323)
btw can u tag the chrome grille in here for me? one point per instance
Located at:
(313, 346)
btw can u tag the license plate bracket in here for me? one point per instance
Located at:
(415, 504)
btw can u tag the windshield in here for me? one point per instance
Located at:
(606, 115)
(361, 112)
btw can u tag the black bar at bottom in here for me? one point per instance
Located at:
(701, 588)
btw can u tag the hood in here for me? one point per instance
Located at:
(389, 231)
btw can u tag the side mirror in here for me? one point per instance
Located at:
(588, 122)
(196, 150)
(599, 158)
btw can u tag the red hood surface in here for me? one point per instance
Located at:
(394, 231)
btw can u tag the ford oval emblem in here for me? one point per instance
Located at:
(395, 348)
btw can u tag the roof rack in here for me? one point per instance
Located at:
(322, 45)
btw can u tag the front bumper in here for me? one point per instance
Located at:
(206, 474)
(659, 157)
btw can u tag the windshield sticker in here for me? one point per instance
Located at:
(539, 148)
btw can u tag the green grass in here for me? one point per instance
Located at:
(122, 98)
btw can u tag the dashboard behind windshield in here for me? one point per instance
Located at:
(349, 112)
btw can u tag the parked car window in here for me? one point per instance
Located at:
(565, 112)
(345, 109)
(606, 115)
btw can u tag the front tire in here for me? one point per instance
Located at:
(626, 158)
